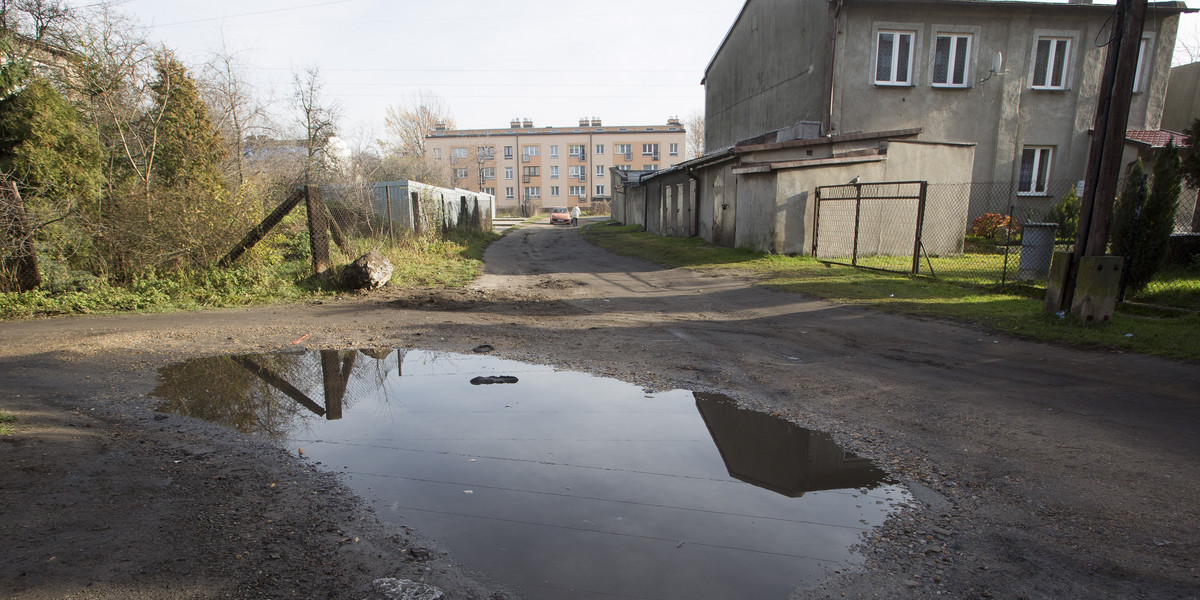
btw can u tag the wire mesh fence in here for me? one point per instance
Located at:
(984, 234)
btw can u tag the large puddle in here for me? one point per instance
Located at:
(559, 484)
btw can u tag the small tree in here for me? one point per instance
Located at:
(1066, 214)
(1142, 230)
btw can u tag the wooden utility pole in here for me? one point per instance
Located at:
(318, 230)
(1108, 141)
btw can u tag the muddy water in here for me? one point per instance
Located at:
(559, 484)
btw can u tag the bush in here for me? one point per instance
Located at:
(990, 225)
(1142, 230)
(1066, 215)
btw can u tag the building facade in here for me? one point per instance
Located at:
(1017, 79)
(528, 167)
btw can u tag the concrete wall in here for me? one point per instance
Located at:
(438, 206)
(1182, 105)
(771, 72)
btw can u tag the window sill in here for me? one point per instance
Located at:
(1034, 194)
(948, 86)
(893, 85)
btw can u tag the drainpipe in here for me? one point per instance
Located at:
(837, 13)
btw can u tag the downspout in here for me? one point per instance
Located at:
(837, 14)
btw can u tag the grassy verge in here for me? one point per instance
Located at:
(6, 422)
(1013, 311)
(278, 270)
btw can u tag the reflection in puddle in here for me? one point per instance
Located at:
(560, 484)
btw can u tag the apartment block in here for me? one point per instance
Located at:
(535, 167)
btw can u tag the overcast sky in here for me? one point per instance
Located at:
(628, 62)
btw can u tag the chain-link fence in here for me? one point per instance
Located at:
(985, 234)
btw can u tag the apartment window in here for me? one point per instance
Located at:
(1035, 170)
(460, 173)
(575, 150)
(626, 149)
(487, 152)
(531, 150)
(508, 192)
(437, 153)
(458, 153)
(532, 171)
(649, 149)
(554, 190)
(599, 148)
(508, 152)
(1051, 57)
(488, 172)
(489, 190)
(894, 58)
(577, 172)
(533, 192)
(1144, 58)
(508, 172)
(554, 151)
(649, 167)
(578, 190)
(554, 171)
(674, 149)
(624, 168)
(599, 190)
(599, 170)
(950, 56)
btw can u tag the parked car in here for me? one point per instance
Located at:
(560, 216)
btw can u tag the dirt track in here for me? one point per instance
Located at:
(1045, 472)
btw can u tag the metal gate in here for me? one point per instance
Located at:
(870, 225)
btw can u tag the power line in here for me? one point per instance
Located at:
(253, 14)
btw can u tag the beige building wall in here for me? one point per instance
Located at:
(553, 166)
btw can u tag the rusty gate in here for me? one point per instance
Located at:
(870, 225)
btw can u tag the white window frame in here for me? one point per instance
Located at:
(649, 149)
(489, 190)
(578, 190)
(649, 167)
(554, 151)
(531, 150)
(575, 172)
(508, 172)
(1041, 163)
(1145, 62)
(954, 67)
(461, 174)
(599, 148)
(508, 193)
(599, 190)
(574, 150)
(458, 153)
(554, 190)
(489, 172)
(533, 191)
(624, 167)
(508, 152)
(674, 149)
(897, 32)
(1054, 51)
(437, 154)
(553, 171)
(623, 148)
(599, 170)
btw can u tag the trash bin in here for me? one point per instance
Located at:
(1037, 248)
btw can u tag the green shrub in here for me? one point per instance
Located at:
(1066, 214)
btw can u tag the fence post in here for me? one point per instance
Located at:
(387, 202)
(318, 230)
(417, 226)
(857, 222)
(816, 222)
(916, 266)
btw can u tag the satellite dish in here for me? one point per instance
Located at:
(997, 62)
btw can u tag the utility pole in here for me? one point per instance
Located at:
(1104, 159)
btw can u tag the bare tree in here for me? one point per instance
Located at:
(35, 19)
(317, 118)
(1187, 47)
(234, 108)
(409, 122)
(695, 135)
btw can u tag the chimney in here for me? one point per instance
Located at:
(584, 121)
(515, 123)
(439, 126)
(527, 124)
(673, 121)
(595, 122)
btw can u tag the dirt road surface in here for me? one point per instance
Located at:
(1042, 471)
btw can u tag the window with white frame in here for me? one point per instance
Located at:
(575, 150)
(554, 190)
(533, 192)
(1051, 61)
(894, 57)
(458, 153)
(649, 149)
(554, 151)
(624, 167)
(486, 152)
(508, 192)
(578, 190)
(649, 167)
(508, 152)
(674, 151)
(1035, 170)
(554, 171)
(531, 150)
(489, 190)
(437, 153)
(1144, 59)
(599, 148)
(626, 149)
(599, 190)
(508, 172)
(951, 55)
(460, 173)
(488, 172)
(577, 172)
(599, 170)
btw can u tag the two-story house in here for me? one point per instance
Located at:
(1017, 79)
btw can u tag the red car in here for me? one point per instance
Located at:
(560, 216)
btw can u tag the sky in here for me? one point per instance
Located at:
(628, 62)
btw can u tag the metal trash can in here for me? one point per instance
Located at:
(1037, 248)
